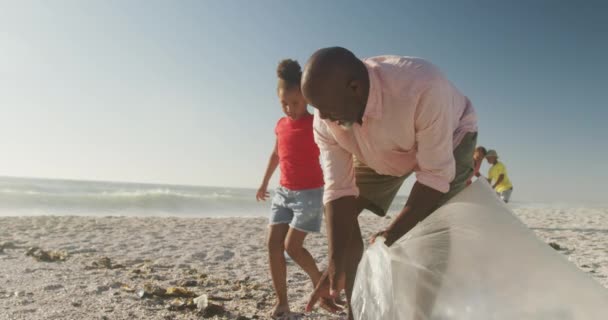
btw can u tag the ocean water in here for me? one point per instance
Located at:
(26, 196)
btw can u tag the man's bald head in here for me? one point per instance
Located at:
(331, 62)
(336, 82)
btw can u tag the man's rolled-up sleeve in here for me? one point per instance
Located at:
(434, 137)
(337, 163)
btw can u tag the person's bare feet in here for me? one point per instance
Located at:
(279, 311)
(330, 305)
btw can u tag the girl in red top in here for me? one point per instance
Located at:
(296, 206)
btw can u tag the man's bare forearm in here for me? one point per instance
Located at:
(421, 203)
(340, 215)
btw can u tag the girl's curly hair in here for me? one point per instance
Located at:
(289, 73)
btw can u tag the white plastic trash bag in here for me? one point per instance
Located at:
(473, 259)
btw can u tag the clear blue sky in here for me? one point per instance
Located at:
(184, 91)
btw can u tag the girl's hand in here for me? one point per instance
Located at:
(262, 193)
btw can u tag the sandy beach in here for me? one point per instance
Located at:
(110, 259)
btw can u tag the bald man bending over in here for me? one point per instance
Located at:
(376, 121)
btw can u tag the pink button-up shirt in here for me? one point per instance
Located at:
(413, 120)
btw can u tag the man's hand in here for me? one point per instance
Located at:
(341, 221)
(389, 238)
(330, 286)
(262, 193)
(382, 233)
(420, 204)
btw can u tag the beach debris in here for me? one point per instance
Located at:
(219, 298)
(126, 288)
(182, 299)
(179, 292)
(19, 293)
(555, 245)
(188, 283)
(242, 318)
(212, 310)
(46, 256)
(150, 290)
(201, 301)
(154, 289)
(104, 263)
(141, 293)
(143, 269)
(77, 303)
(179, 304)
